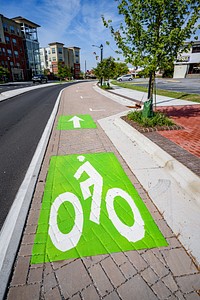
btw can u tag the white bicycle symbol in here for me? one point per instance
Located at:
(67, 241)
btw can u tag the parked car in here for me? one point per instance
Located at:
(127, 77)
(39, 78)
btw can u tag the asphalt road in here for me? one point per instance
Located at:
(22, 122)
(185, 85)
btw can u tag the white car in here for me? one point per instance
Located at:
(127, 77)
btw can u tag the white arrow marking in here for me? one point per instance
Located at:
(76, 121)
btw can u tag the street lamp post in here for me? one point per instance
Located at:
(101, 48)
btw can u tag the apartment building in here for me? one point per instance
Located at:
(19, 47)
(12, 53)
(188, 63)
(31, 45)
(56, 53)
(74, 60)
(44, 58)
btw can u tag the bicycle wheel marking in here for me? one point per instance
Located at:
(75, 122)
(90, 207)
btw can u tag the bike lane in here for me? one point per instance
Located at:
(84, 161)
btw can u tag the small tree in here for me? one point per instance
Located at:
(154, 31)
(63, 71)
(4, 73)
(105, 69)
(120, 69)
(46, 72)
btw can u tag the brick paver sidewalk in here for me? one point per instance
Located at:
(160, 273)
(189, 118)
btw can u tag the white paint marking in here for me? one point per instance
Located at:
(76, 121)
(102, 109)
(85, 97)
(12, 229)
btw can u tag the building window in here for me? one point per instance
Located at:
(53, 58)
(5, 27)
(11, 63)
(12, 29)
(196, 48)
(0, 39)
(194, 69)
(14, 42)
(2, 63)
(9, 52)
(7, 39)
(4, 51)
(16, 53)
(53, 50)
(18, 31)
(60, 50)
(18, 65)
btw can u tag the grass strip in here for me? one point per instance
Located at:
(176, 95)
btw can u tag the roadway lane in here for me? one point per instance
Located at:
(22, 122)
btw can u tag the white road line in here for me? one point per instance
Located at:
(12, 229)
(85, 97)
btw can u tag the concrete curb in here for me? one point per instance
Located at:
(12, 230)
(173, 188)
(189, 181)
(119, 99)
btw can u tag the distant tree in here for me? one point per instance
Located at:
(46, 72)
(120, 69)
(105, 69)
(4, 73)
(63, 71)
(154, 31)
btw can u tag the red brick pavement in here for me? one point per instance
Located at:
(189, 117)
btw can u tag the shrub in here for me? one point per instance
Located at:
(159, 119)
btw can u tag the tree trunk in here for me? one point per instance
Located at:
(151, 85)
(147, 111)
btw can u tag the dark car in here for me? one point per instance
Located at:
(39, 78)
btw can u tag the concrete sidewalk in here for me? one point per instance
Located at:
(15, 92)
(142, 97)
(168, 189)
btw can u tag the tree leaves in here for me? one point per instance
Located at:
(108, 68)
(154, 31)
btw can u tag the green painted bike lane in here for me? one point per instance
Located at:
(90, 207)
(74, 122)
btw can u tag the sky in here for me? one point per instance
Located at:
(71, 22)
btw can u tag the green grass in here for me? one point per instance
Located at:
(176, 95)
(159, 119)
